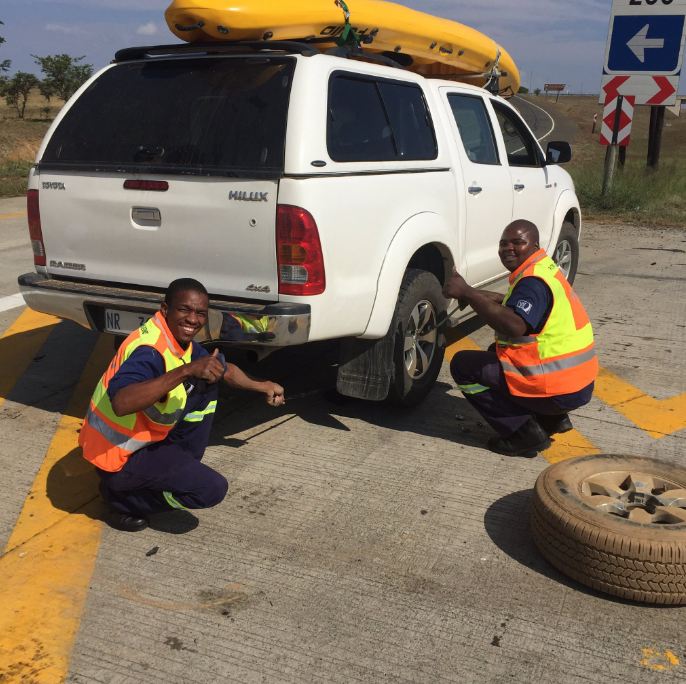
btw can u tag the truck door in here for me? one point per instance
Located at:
(533, 192)
(486, 191)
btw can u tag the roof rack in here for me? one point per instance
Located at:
(307, 49)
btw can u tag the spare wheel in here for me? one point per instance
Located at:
(616, 524)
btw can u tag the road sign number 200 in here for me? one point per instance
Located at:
(650, 2)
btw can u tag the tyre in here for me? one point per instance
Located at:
(566, 254)
(616, 524)
(419, 345)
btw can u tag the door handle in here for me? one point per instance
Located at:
(474, 189)
(519, 187)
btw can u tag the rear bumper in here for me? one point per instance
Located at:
(265, 325)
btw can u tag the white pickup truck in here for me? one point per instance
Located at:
(317, 197)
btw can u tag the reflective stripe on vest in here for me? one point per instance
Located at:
(561, 358)
(107, 439)
(198, 416)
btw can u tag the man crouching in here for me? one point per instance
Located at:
(150, 417)
(543, 363)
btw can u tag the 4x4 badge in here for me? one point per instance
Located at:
(241, 196)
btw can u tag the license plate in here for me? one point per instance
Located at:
(123, 321)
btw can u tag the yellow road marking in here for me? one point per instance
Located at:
(568, 445)
(657, 417)
(12, 215)
(49, 559)
(20, 344)
(463, 344)
(658, 661)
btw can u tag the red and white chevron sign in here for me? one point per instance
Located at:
(645, 89)
(610, 113)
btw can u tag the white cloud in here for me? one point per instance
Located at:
(149, 29)
(64, 28)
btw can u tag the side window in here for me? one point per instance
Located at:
(410, 120)
(521, 148)
(377, 120)
(475, 128)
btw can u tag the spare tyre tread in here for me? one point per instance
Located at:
(578, 562)
(627, 564)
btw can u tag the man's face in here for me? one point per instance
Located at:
(185, 315)
(515, 247)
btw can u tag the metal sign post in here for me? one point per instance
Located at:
(611, 152)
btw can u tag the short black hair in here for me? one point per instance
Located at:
(183, 285)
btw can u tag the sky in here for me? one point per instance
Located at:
(551, 41)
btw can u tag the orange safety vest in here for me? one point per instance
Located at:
(107, 439)
(561, 358)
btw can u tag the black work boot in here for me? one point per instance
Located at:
(126, 522)
(527, 441)
(554, 425)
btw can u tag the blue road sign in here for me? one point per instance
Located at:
(645, 44)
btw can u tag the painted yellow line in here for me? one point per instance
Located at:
(20, 344)
(657, 417)
(463, 344)
(568, 445)
(48, 562)
(12, 215)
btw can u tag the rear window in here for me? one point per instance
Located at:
(193, 116)
(378, 120)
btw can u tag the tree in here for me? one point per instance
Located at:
(522, 90)
(5, 63)
(16, 90)
(62, 76)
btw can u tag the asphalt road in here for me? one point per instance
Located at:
(358, 542)
(546, 125)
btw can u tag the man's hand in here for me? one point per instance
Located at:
(456, 287)
(274, 394)
(208, 368)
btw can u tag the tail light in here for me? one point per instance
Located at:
(299, 252)
(35, 230)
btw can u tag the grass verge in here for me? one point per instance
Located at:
(637, 194)
(13, 177)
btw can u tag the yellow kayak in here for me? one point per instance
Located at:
(434, 46)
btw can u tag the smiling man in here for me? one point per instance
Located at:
(543, 363)
(150, 416)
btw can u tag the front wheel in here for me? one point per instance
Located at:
(419, 344)
(566, 254)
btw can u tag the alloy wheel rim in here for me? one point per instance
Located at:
(636, 496)
(563, 257)
(421, 336)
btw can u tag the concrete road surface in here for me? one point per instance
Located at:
(358, 543)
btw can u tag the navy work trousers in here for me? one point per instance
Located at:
(169, 474)
(480, 377)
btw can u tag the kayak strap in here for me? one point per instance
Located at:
(493, 83)
(350, 37)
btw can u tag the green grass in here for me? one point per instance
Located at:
(637, 194)
(13, 176)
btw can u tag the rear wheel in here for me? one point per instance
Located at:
(419, 345)
(566, 254)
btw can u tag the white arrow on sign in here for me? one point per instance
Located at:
(640, 43)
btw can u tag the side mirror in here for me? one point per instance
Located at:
(558, 152)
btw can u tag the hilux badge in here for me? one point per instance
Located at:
(242, 196)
